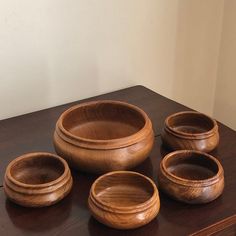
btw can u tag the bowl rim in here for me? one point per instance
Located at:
(127, 209)
(189, 182)
(36, 155)
(104, 143)
(208, 133)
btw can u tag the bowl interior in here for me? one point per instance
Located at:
(103, 121)
(191, 166)
(37, 169)
(123, 190)
(192, 123)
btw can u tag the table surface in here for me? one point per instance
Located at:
(34, 132)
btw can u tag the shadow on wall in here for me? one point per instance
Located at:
(224, 107)
(197, 44)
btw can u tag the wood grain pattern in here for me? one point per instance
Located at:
(226, 226)
(37, 180)
(191, 176)
(190, 130)
(71, 216)
(103, 136)
(36, 129)
(124, 199)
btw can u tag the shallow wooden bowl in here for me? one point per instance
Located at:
(124, 199)
(190, 130)
(191, 176)
(37, 179)
(103, 136)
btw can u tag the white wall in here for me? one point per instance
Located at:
(57, 51)
(225, 98)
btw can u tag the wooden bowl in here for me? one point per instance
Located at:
(190, 130)
(191, 176)
(37, 179)
(124, 199)
(103, 136)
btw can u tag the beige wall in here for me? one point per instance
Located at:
(53, 52)
(197, 47)
(225, 96)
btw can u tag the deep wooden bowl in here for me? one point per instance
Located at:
(103, 136)
(124, 199)
(190, 130)
(191, 176)
(37, 179)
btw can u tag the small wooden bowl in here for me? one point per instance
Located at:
(37, 179)
(124, 199)
(190, 130)
(191, 176)
(103, 136)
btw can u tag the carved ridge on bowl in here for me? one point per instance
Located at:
(187, 182)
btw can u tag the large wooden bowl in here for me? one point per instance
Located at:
(103, 136)
(37, 179)
(124, 199)
(190, 130)
(191, 176)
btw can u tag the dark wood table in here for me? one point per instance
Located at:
(34, 131)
